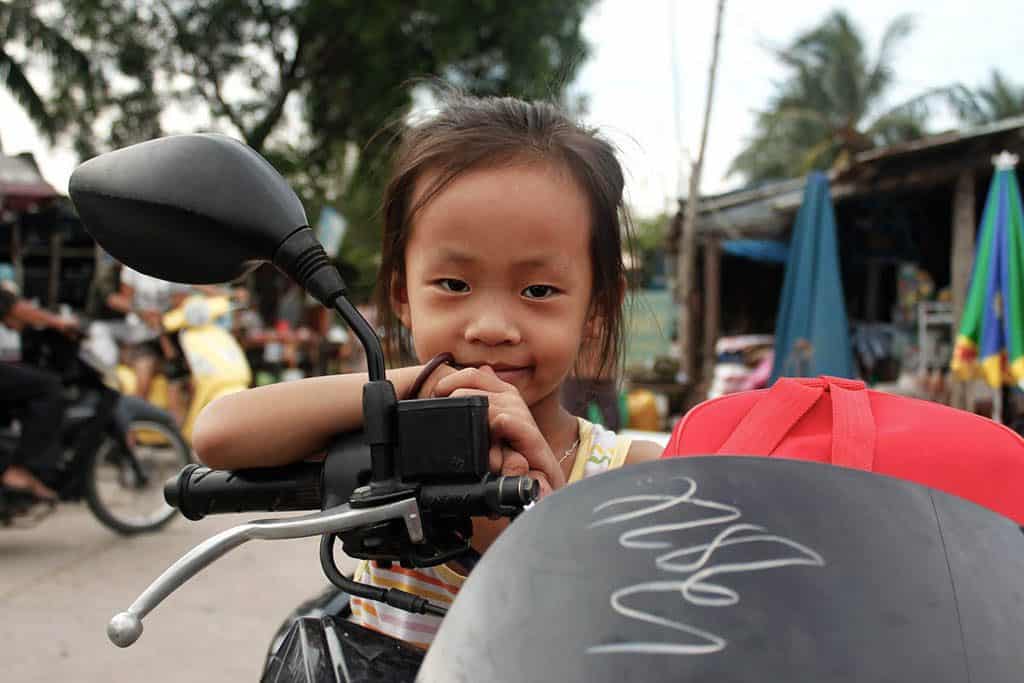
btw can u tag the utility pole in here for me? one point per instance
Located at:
(688, 243)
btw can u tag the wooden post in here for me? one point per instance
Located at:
(872, 294)
(962, 261)
(17, 260)
(712, 307)
(687, 270)
(53, 289)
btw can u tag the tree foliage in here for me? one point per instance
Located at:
(831, 104)
(320, 87)
(29, 38)
(998, 99)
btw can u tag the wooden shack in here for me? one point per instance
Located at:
(919, 201)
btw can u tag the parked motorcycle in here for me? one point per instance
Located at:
(688, 569)
(116, 450)
(216, 362)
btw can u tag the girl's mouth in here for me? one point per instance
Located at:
(507, 373)
(512, 375)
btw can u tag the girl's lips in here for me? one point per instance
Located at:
(511, 375)
(507, 373)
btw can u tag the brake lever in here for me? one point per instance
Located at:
(126, 627)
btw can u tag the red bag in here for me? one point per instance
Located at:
(839, 421)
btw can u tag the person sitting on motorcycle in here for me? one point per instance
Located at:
(502, 246)
(149, 298)
(41, 395)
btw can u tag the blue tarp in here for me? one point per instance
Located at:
(758, 250)
(812, 335)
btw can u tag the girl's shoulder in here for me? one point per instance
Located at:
(643, 451)
(599, 450)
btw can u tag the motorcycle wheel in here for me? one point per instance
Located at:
(125, 490)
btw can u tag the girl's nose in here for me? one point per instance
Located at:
(492, 326)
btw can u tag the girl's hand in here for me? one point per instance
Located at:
(517, 446)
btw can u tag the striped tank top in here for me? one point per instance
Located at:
(599, 450)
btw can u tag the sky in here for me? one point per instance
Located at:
(628, 79)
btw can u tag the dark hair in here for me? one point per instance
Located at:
(470, 133)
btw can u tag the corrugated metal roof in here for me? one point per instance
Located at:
(766, 209)
(940, 139)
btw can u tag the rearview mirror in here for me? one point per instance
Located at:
(204, 209)
(189, 208)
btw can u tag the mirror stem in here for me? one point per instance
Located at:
(303, 259)
(367, 337)
(380, 404)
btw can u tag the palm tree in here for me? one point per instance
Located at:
(24, 32)
(998, 100)
(830, 106)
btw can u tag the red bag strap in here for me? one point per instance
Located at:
(853, 426)
(763, 428)
(771, 419)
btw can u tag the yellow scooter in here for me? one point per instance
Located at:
(216, 361)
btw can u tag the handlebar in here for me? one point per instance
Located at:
(198, 491)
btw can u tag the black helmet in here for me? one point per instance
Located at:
(742, 569)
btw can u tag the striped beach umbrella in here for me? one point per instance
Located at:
(990, 343)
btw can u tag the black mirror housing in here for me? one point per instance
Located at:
(197, 208)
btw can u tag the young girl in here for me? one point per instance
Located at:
(502, 247)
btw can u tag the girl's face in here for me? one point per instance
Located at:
(498, 272)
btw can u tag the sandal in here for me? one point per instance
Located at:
(20, 480)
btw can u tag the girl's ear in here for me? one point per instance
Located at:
(400, 300)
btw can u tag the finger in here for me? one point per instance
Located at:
(545, 485)
(441, 371)
(471, 378)
(513, 464)
(470, 392)
(494, 459)
(497, 404)
(523, 437)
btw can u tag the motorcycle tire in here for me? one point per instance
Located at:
(111, 476)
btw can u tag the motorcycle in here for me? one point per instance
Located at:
(715, 568)
(216, 363)
(116, 450)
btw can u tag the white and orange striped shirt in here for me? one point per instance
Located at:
(599, 450)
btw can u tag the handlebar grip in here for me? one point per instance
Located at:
(493, 496)
(198, 491)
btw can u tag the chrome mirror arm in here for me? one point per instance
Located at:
(126, 627)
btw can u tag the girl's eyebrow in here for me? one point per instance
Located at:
(449, 255)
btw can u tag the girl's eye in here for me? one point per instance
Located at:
(539, 291)
(452, 285)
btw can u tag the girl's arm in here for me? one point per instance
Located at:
(287, 422)
(643, 451)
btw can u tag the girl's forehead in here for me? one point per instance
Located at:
(527, 207)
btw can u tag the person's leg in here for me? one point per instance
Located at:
(40, 395)
(176, 371)
(144, 366)
(177, 400)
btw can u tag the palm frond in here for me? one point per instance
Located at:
(881, 73)
(920, 106)
(73, 72)
(21, 89)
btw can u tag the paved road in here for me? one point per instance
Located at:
(61, 581)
